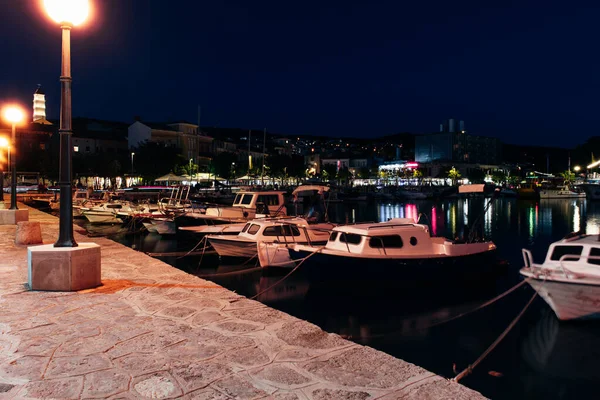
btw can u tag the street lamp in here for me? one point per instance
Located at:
(577, 168)
(67, 13)
(3, 143)
(14, 115)
(132, 154)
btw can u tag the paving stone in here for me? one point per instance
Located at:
(439, 389)
(363, 366)
(67, 388)
(247, 357)
(24, 369)
(106, 383)
(282, 376)
(159, 385)
(304, 334)
(148, 343)
(239, 327)
(194, 376)
(207, 317)
(239, 388)
(329, 394)
(263, 315)
(206, 394)
(143, 364)
(87, 345)
(37, 347)
(77, 365)
(177, 312)
(284, 396)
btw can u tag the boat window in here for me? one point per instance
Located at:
(237, 200)
(247, 199)
(253, 229)
(268, 199)
(350, 238)
(114, 206)
(386, 241)
(560, 251)
(281, 230)
(413, 241)
(333, 236)
(594, 252)
(245, 227)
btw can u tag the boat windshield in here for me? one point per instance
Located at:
(571, 253)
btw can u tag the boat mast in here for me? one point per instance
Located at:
(262, 174)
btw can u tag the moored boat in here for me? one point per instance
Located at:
(569, 278)
(391, 248)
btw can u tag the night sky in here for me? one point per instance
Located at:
(527, 72)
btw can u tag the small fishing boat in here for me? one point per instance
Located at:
(390, 248)
(561, 192)
(569, 278)
(269, 230)
(230, 229)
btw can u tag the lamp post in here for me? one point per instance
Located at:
(132, 154)
(14, 115)
(190, 168)
(3, 143)
(67, 13)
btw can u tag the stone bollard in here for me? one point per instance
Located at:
(28, 233)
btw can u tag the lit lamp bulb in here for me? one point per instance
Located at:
(3, 142)
(13, 115)
(71, 12)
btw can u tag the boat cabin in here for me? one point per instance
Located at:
(579, 254)
(398, 236)
(284, 230)
(253, 204)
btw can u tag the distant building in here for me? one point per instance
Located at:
(457, 147)
(98, 136)
(187, 137)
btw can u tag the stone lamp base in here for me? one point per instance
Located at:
(64, 268)
(11, 217)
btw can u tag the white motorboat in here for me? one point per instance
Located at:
(246, 206)
(390, 248)
(107, 213)
(569, 278)
(561, 192)
(229, 229)
(269, 230)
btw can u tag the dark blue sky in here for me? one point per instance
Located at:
(527, 72)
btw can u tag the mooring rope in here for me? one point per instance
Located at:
(471, 367)
(463, 314)
(285, 277)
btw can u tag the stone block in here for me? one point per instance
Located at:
(11, 217)
(28, 233)
(64, 268)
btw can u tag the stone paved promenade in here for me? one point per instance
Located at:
(152, 331)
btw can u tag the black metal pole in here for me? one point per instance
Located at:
(65, 235)
(13, 167)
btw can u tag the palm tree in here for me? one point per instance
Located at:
(568, 176)
(453, 174)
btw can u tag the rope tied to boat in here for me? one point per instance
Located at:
(318, 250)
(469, 369)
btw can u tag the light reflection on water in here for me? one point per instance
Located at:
(398, 322)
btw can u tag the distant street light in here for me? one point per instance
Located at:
(577, 168)
(132, 154)
(14, 115)
(190, 170)
(3, 143)
(67, 13)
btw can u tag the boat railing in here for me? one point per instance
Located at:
(567, 272)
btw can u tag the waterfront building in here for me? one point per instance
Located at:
(457, 147)
(192, 143)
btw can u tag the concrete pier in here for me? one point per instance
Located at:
(152, 331)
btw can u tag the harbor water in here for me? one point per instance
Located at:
(541, 358)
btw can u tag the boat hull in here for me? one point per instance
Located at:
(468, 267)
(101, 218)
(233, 248)
(569, 301)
